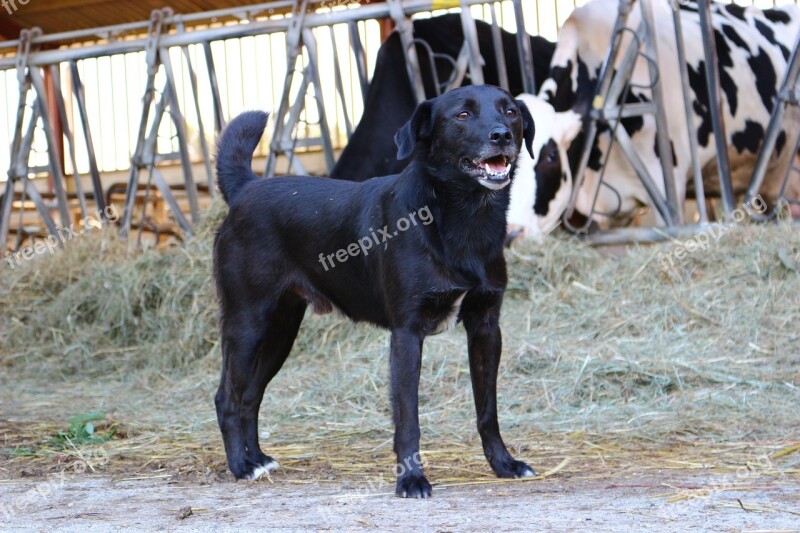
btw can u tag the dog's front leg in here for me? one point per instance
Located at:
(485, 344)
(405, 364)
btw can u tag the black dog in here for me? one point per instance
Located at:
(412, 253)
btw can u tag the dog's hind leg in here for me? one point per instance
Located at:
(255, 346)
(405, 361)
(481, 316)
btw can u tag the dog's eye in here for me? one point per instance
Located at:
(511, 112)
(464, 115)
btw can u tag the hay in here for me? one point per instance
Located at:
(609, 362)
(93, 307)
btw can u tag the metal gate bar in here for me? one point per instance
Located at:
(180, 128)
(22, 173)
(23, 50)
(405, 29)
(697, 172)
(57, 177)
(198, 114)
(715, 103)
(219, 120)
(80, 100)
(789, 94)
(62, 113)
(500, 58)
(337, 77)
(471, 44)
(525, 52)
(360, 56)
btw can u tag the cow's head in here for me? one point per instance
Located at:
(541, 187)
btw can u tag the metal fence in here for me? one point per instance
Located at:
(155, 93)
(113, 83)
(113, 110)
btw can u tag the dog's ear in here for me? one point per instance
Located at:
(528, 129)
(418, 128)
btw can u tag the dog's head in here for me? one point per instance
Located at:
(475, 132)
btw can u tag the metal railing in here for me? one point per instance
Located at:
(179, 70)
(180, 76)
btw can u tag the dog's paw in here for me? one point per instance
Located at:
(252, 470)
(514, 469)
(264, 468)
(413, 486)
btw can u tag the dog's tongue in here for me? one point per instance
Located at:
(495, 165)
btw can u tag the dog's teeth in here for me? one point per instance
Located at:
(486, 166)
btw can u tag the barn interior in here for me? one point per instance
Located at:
(668, 351)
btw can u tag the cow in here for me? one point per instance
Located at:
(390, 102)
(753, 47)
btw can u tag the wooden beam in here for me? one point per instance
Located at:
(55, 117)
(9, 28)
(55, 5)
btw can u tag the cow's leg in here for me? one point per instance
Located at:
(405, 361)
(256, 340)
(481, 320)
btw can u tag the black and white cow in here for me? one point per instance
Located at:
(390, 102)
(753, 46)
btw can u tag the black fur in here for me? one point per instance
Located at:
(287, 243)
(234, 152)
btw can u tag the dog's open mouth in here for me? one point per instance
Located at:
(492, 172)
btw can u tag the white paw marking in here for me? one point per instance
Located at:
(264, 469)
(528, 473)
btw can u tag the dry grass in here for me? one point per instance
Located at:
(609, 363)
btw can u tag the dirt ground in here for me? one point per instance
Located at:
(645, 401)
(150, 476)
(674, 501)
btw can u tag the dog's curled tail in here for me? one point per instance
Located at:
(235, 152)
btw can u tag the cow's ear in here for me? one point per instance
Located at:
(568, 125)
(418, 128)
(528, 128)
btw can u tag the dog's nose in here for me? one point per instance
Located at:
(501, 135)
